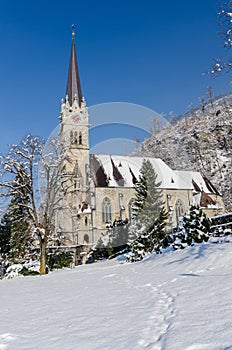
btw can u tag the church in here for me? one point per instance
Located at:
(101, 186)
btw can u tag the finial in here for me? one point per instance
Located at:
(73, 32)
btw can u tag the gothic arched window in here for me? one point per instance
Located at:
(179, 209)
(80, 138)
(86, 238)
(130, 209)
(86, 221)
(75, 137)
(106, 210)
(71, 137)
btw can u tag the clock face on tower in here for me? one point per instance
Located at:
(76, 118)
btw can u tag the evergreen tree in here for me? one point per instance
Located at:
(151, 240)
(193, 228)
(148, 197)
(21, 238)
(5, 232)
(18, 220)
(159, 231)
(150, 217)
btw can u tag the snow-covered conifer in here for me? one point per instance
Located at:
(194, 227)
(148, 226)
(5, 232)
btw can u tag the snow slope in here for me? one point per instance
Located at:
(176, 301)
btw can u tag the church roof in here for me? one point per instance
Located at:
(123, 171)
(73, 88)
(198, 181)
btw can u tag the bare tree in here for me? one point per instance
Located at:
(27, 161)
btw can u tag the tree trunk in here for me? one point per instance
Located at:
(42, 269)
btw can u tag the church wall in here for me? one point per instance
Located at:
(64, 228)
(174, 197)
(120, 199)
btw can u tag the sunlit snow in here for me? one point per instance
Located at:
(176, 301)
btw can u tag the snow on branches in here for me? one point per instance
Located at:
(19, 185)
(225, 24)
(18, 171)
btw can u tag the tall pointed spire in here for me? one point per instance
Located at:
(73, 88)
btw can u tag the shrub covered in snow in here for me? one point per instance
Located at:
(59, 260)
(194, 227)
(221, 235)
(26, 269)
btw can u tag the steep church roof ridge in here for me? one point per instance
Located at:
(73, 88)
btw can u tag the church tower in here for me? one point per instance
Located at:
(74, 114)
(74, 220)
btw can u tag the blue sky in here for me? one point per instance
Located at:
(152, 53)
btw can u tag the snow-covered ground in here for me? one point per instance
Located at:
(176, 301)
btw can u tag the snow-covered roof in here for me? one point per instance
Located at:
(196, 181)
(122, 171)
